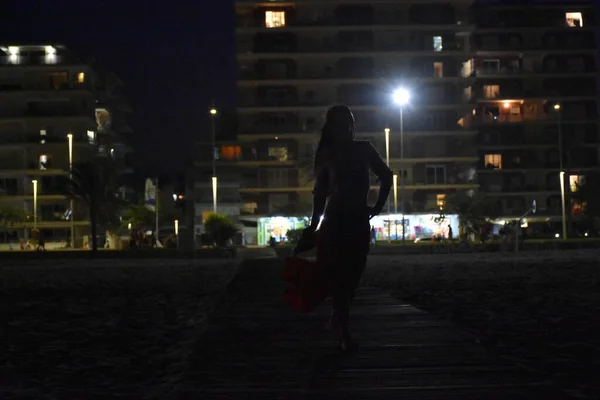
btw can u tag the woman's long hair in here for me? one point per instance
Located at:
(338, 121)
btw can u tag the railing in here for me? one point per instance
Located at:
(417, 126)
(320, 47)
(380, 102)
(340, 74)
(30, 139)
(374, 20)
(34, 60)
(514, 118)
(521, 188)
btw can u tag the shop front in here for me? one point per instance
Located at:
(418, 226)
(277, 228)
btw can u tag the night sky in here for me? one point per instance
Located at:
(173, 56)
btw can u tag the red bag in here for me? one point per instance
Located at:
(307, 284)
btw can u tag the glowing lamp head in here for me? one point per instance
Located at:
(213, 111)
(557, 106)
(401, 96)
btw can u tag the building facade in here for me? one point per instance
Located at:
(491, 85)
(536, 94)
(47, 94)
(298, 58)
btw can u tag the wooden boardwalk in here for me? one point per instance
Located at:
(257, 347)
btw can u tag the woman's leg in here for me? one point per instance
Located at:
(340, 307)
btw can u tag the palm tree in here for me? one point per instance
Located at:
(10, 216)
(474, 211)
(95, 184)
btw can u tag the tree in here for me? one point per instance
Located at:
(588, 197)
(474, 211)
(10, 216)
(95, 184)
(220, 228)
(138, 215)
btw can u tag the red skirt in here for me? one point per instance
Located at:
(342, 249)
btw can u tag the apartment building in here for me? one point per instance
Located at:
(297, 58)
(47, 93)
(536, 81)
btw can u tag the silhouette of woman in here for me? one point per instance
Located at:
(340, 193)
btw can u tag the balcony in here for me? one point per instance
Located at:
(503, 189)
(355, 16)
(12, 140)
(20, 60)
(433, 99)
(328, 46)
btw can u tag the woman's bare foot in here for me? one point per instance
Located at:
(348, 346)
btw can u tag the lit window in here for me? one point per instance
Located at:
(515, 110)
(81, 77)
(43, 135)
(274, 19)
(437, 43)
(13, 54)
(91, 135)
(575, 182)
(574, 19)
(279, 153)
(438, 69)
(231, 152)
(441, 201)
(43, 161)
(491, 91)
(493, 160)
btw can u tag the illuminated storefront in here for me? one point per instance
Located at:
(417, 226)
(277, 227)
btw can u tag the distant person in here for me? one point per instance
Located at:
(132, 239)
(450, 233)
(373, 235)
(41, 241)
(272, 242)
(342, 185)
(154, 241)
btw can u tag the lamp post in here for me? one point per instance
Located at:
(70, 141)
(561, 174)
(35, 187)
(401, 98)
(396, 203)
(387, 161)
(213, 115)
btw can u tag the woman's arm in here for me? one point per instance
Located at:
(320, 194)
(385, 175)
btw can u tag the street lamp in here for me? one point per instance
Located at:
(396, 204)
(401, 97)
(561, 174)
(387, 160)
(35, 187)
(213, 114)
(176, 227)
(70, 141)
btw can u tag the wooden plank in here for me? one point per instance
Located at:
(258, 347)
(473, 392)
